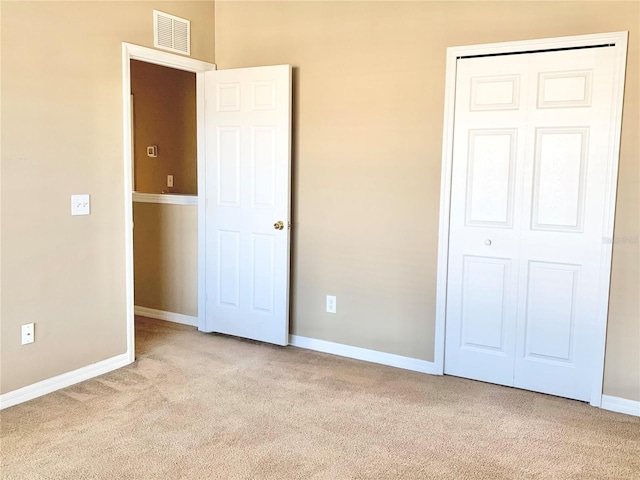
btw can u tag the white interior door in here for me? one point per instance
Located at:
(532, 138)
(248, 195)
(485, 218)
(569, 125)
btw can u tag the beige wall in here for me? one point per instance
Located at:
(165, 115)
(62, 134)
(165, 244)
(369, 95)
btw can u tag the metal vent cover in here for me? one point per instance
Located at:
(171, 33)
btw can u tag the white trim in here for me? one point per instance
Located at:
(166, 316)
(169, 199)
(540, 44)
(171, 60)
(611, 182)
(445, 205)
(61, 381)
(202, 202)
(367, 355)
(619, 39)
(128, 198)
(620, 405)
(149, 55)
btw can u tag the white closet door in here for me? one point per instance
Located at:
(485, 218)
(569, 132)
(531, 140)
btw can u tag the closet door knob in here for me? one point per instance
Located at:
(487, 242)
(279, 225)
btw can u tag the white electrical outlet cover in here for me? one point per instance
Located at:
(27, 333)
(331, 304)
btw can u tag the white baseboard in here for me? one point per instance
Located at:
(167, 316)
(614, 404)
(620, 405)
(61, 381)
(367, 355)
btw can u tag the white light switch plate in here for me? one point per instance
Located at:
(80, 205)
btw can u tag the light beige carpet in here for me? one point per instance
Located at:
(197, 406)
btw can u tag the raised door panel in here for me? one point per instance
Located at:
(484, 304)
(564, 89)
(263, 95)
(228, 272)
(228, 97)
(552, 352)
(263, 166)
(501, 92)
(490, 177)
(481, 306)
(262, 273)
(228, 166)
(551, 312)
(559, 178)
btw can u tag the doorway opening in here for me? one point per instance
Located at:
(243, 132)
(152, 203)
(165, 213)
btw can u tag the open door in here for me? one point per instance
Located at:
(248, 196)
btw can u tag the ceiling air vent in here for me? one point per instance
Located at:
(171, 33)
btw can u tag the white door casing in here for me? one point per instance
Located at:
(260, 110)
(525, 242)
(247, 181)
(178, 62)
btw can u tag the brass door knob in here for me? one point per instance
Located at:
(279, 225)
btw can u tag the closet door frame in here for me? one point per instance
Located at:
(618, 41)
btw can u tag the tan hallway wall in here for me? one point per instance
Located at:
(62, 134)
(369, 94)
(165, 244)
(165, 236)
(165, 116)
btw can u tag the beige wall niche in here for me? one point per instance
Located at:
(164, 103)
(369, 82)
(62, 134)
